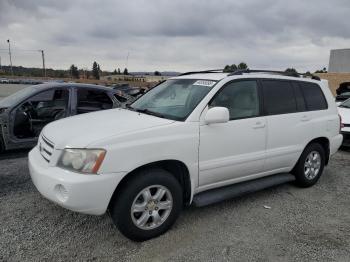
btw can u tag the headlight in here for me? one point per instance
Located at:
(82, 160)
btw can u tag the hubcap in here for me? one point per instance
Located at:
(151, 207)
(312, 165)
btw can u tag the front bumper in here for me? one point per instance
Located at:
(89, 194)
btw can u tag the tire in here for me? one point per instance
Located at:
(310, 165)
(134, 196)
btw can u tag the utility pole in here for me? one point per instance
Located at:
(127, 60)
(8, 41)
(43, 57)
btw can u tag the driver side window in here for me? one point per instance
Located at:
(240, 98)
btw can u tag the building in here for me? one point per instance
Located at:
(339, 61)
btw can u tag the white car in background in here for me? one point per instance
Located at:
(344, 112)
(200, 138)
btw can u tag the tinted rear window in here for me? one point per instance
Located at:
(278, 97)
(314, 97)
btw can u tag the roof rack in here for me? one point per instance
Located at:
(247, 71)
(284, 73)
(203, 72)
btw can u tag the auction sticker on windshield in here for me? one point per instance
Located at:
(204, 83)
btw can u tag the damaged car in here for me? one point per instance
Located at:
(343, 93)
(24, 113)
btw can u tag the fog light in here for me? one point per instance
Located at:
(61, 193)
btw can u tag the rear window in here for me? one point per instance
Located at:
(278, 97)
(314, 97)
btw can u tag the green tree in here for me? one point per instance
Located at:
(227, 69)
(125, 71)
(119, 71)
(157, 73)
(115, 72)
(96, 70)
(230, 68)
(242, 66)
(324, 70)
(291, 71)
(74, 72)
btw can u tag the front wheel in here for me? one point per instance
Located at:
(147, 205)
(310, 165)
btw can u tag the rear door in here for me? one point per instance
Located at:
(287, 123)
(90, 100)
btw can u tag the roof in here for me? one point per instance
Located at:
(204, 76)
(220, 76)
(56, 85)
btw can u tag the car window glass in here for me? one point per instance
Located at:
(89, 100)
(278, 97)
(120, 98)
(240, 98)
(314, 97)
(175, 98)
(299, 97)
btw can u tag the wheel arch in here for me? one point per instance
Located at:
(324, 142)
(177, 168)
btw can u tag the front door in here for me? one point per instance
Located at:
(30, 117)
(236, 149)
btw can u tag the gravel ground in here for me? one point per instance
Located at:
(302, 225)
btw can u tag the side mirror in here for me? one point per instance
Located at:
(217, 115)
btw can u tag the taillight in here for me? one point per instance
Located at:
(341, 125)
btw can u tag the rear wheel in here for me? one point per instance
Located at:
(148, 204)
(310, 165)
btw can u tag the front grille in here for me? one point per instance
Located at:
(46, 148)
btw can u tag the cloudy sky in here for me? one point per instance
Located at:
(176, 35)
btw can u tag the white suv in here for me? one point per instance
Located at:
(200, 138)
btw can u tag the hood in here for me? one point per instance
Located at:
(82, 130)
(345, 114)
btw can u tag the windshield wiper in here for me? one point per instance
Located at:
(149, 112)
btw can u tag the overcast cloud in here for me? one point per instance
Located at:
(174, 35)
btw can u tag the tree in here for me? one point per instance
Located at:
(125, 71)
(242, 66)
(74, 72)
(227, 69)
(324, 70)
(115, 72)
(232, 68)
(96, 70)
(292, 71)
(157, 73)
(119, 71)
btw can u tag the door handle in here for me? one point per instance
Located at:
(259, 125)
(305, 118)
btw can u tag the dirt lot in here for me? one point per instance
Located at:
(302, 225)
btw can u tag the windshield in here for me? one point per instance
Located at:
(174, 99)
(345, 104)
(13, 99)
